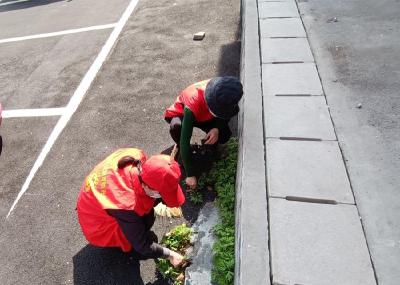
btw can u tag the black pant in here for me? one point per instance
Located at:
(175, 128)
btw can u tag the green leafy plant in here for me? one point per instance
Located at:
(178, 239)
(222, 177)
(196, 197)
(166, 269)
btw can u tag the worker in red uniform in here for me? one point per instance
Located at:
(115, 204)
(208, 105)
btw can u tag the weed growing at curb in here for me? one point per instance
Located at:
(222, 177)
(179, 240)
(196, 197)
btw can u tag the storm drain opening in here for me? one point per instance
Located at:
(299, 139)
(293, 95)
(310, 200)
(277, 18)
(286, 62)
(285, 37)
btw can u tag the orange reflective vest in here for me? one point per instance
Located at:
(192, 97)
(108, 187)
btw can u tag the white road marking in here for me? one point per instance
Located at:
(59, 33)
(44, 112)
(11, 2)
(76, 99)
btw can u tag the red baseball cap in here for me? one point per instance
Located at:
(162, 174)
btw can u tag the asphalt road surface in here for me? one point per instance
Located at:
(152, 59)
(358, 57)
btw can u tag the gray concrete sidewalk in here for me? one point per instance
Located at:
(292, 179)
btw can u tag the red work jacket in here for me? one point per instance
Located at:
(193, 97)
(108, 187)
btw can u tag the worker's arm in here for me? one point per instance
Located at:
(134, 228)
(221, 124)
(186, 134)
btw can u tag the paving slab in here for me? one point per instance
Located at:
(307, 169)
(282, 28)
(301, 117)
(285, 50)
(293, 78)
(278, 10)
(318, 244)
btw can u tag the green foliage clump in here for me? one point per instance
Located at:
(178, 239)
(222, 177)
(196, 197)
(166, 269)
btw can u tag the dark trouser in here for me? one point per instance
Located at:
(149, 219)
(175, 127)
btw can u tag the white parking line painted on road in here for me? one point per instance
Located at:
(12, 2)
(76, 99)
(60, 33)
(22, 113)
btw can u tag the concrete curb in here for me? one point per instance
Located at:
(252, 253)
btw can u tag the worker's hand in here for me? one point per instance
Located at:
(212, 136)
(191, 182)
(175, 258)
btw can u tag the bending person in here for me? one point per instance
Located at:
(208, 105)
(115, 204)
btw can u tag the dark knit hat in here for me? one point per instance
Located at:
(223, 95)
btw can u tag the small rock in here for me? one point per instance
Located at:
(332, 20)
(335, 80)
(359, 105)
(199, 36)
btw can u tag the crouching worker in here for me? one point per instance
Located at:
(115, 204)
(208, 105)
